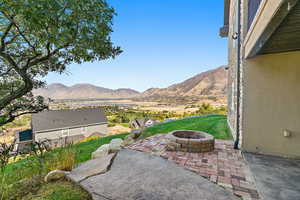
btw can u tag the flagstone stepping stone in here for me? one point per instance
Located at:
(91, 168)
(136, 175)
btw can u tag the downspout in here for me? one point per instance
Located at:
(238, 38)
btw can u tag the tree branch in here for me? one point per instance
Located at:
(46, 57)
(6, 72)
(13, 117)
(28, 86)
(3, 44)
(11, 19)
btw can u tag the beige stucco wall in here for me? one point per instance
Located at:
(232, 62)
(100, 128)
(271, 104)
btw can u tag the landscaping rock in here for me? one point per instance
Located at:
(101, 151)
(136, 133)
(115, 145)
(128, 140)
(91, 168)
(55, 175)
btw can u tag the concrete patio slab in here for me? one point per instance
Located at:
(139, 176)
(276, 178)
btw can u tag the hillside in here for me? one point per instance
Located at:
(209, 83)
(83, 91)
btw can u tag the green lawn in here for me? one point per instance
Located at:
(28, 169)
(59, 190)
(214, 124)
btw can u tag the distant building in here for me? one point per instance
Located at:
(65, 125)
(141, 123)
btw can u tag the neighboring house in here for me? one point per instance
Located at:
(65, 125)
(264, 75)
(141, 123)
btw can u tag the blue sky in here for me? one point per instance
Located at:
(164, 42)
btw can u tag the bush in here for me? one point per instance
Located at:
(25, 177)
(89, 139)
(62, 159)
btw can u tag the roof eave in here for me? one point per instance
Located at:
(268, 17)
(68, 127)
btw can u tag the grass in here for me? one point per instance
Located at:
(60, 190)
(214, 124)
(29, 169)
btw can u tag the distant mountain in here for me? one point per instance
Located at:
(83, 91)
(209, 83)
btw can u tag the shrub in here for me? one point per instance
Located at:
(89, 139)
(62, 159)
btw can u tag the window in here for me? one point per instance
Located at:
(83, 129)
(25, 135)
(253, 6)
(65, 133)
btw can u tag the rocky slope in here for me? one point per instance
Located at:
(209, 83)
(83, 91)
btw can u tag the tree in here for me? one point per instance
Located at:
(42, 36)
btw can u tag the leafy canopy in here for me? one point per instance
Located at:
(42, 36)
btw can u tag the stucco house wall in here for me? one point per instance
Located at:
(86, 132)
(269, 95)
(272, 104)
(232, 62)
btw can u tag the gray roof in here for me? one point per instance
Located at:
(59, 119)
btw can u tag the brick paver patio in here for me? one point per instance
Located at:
(223, 166)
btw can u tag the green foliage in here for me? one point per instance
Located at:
(84, 150)
(20, 122)
(214, 124)
(206, 108)
(120, 116)
(38, 37)
(123, 117)
(26, 175)
(60, 190)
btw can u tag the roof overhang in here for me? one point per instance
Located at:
(269, 16)
(68, 127)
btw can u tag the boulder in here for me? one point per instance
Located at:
(101, 151)
(128, 140)
(136, 133)
(55, 175)
(115, 145)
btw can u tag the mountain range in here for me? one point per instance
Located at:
(209, 83)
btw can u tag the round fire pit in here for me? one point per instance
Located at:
(190, 141)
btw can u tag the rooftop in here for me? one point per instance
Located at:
(59, 119)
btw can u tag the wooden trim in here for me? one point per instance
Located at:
(269, 16)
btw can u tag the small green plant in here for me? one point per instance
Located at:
(62, 159)
(5, 154)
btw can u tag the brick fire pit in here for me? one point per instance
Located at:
(190, 141)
